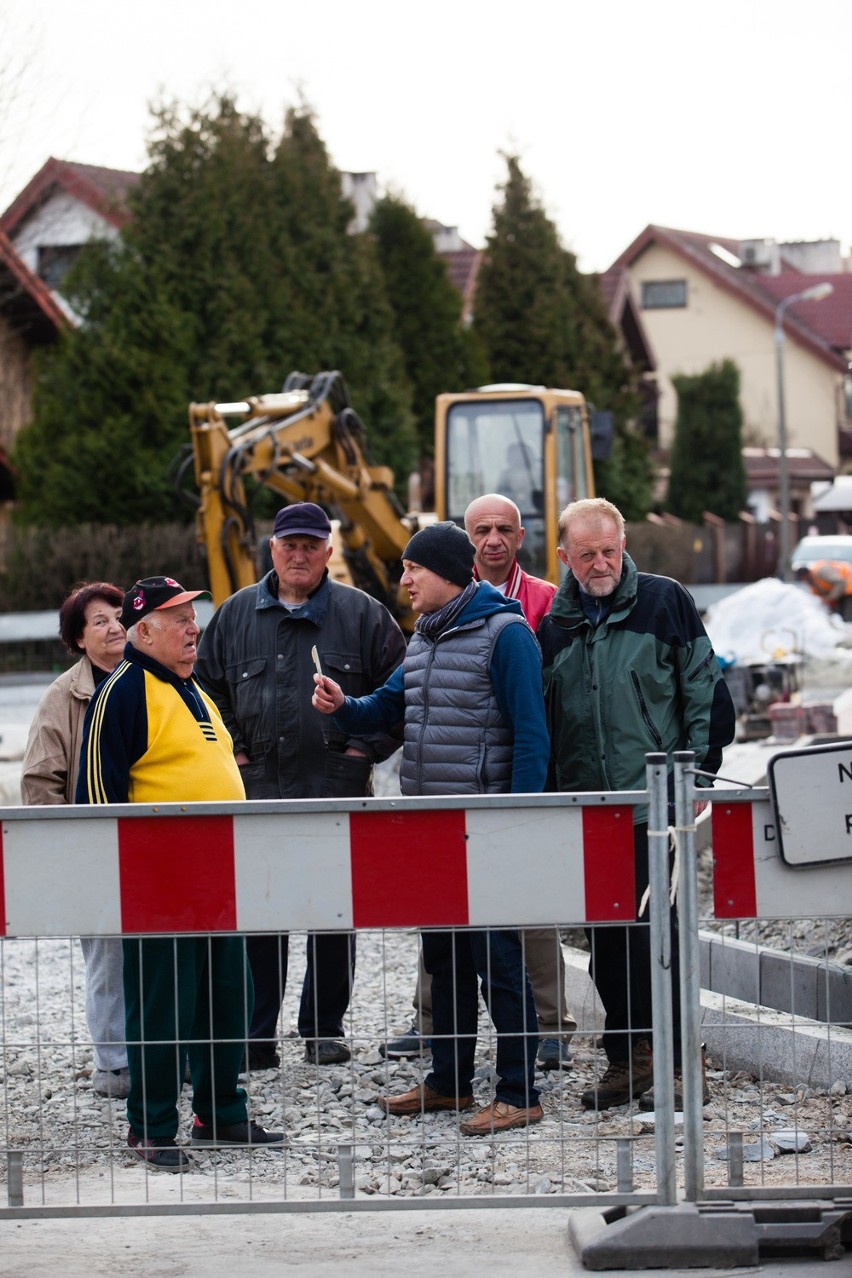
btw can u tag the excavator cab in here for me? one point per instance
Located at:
(528, 443)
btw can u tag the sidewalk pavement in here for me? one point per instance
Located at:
(524, 1242)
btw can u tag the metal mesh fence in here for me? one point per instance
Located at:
(774, 1019)
(769, 1125)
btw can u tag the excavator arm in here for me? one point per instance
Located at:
(306, 444)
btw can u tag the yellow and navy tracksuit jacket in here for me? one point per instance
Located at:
(152, 737)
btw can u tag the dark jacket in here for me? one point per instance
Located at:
(474, 716)
(255, 661)
(644, 679)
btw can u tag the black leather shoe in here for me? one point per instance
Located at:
(326, 1051)
(262, 1057)
(237, 1134)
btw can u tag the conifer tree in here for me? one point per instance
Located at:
(235, 269)
(105, 425)
(542, 321)
(707, 467)
(332, 282)
(440, 353)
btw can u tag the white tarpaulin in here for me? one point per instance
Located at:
(769, 620)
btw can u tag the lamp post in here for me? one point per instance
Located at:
(813, 294)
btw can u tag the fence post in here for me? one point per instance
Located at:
(15, 1173)
(661, 984)
(345, 1171)
(690, 977)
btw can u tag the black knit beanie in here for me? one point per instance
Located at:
(445, 549)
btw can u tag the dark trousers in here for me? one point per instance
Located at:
(455, 960)
(621, 970)
(326, 989)
(185, 997)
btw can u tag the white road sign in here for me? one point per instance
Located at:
(811, 795)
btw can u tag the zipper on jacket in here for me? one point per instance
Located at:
(703, 666)
(646, 714)
(421, 734)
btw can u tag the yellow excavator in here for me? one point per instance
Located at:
(306, 443)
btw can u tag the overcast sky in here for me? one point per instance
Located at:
(730, 117)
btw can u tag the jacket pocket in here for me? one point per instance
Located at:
(260, 775)
(346, 669)
(652, 728)
(249, 697)
(704, 667)
(347, 776)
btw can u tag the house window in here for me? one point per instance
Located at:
(54, 261)
(662, 294)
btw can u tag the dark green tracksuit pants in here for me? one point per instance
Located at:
(193, 995)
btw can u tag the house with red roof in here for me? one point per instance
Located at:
(41, 233)
(30, 318)
(62, 207)
(705, 298)
(461, 259)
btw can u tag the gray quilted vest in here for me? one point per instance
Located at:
(456, 740)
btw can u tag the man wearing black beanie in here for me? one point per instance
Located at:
(469, 692)
(444, 549)
(493, 524)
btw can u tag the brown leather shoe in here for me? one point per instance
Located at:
(498, 1116)
(420, 1100)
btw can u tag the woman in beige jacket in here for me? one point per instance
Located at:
(88, 624)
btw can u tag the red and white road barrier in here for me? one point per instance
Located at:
(404, 863)
(750, 879)
(297, 865)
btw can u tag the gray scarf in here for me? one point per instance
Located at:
(431, 624)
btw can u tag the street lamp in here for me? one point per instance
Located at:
(813, 294)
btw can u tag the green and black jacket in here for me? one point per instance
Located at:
(645, 679)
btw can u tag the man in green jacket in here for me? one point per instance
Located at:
(628, 670)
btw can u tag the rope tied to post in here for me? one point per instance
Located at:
(674, 846)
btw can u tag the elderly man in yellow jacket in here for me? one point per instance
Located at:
(152, 736)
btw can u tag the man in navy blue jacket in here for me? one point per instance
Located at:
(469, 692)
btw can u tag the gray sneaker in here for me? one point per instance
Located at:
(553, 1054)
(113, 1083)
(326, 1051)
(409, 1044)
